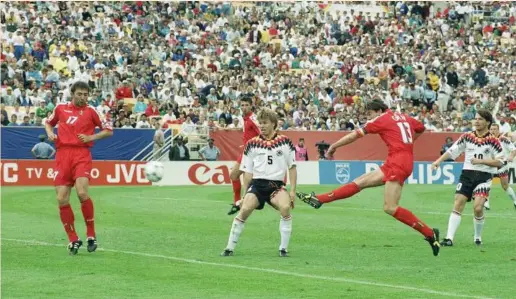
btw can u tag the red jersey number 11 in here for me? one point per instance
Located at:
(406, 135)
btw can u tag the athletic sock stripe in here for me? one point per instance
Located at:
(287, 218)
(479, 218)
(457, 213)
(240, 220)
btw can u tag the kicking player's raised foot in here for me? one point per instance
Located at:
(283, 253)
(235, 207)
(73, 247)
(227, 252)
(447, 243)
(92, 244)
(434, 242)
(309, 199)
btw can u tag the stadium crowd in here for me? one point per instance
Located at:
(315, 64)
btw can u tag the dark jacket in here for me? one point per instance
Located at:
(173, 154)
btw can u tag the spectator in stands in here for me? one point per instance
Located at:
(43, 150)
(179, 152)
(448, 143)
(159, 139)
(143, 123)
(209, 152)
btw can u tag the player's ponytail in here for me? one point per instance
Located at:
(377, 105)
(486, 114)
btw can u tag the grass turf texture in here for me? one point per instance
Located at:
(164, 242)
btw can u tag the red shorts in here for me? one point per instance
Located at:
(72, 163)
(396, 173)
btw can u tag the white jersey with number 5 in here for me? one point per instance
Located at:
(479, 147)
(269, 159)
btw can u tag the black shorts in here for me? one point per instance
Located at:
(265, 190)
(474, 183)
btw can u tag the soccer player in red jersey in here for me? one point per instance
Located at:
(398, 131)
(75, 136)
(251, 130)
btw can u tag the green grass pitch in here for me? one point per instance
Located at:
(164, 242)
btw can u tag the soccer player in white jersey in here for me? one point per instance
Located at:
(509, 152)
(483, 157)
(267, 158)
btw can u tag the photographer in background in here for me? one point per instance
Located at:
(322, 148)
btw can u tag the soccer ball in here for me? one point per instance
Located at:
(154, 171)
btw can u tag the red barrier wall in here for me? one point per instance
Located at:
(371, 147)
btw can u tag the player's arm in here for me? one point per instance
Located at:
(371, 127)
(498, 158)
(105, 125)
(452, 153)
(201, 153)
(247, 166)
(418, 127)
(51, 122)
(349, 138)
(292, 170)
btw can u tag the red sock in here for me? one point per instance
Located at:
(411, 220)
(237, 186)
(87, 212)
(345, 191)
(68, 219)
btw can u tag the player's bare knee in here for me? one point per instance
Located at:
(63, 200)
(83, 195)
(478, 208)
(389, 208)
(459, 204)
(284, 209)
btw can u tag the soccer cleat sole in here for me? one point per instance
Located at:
(309, 199)
(234, 209)
(227, 252)
(436, 246)
(446, 243)
(92, 246)
(73, 248)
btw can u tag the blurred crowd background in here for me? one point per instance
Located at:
(156, 64)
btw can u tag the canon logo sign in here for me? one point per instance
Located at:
(202, 174)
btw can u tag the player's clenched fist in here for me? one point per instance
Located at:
(85, 138)
(51, 136)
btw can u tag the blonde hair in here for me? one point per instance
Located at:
(268, 114)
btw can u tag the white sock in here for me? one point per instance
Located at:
(236, 229)
(453, 224)
(285, 228)
(479, 225)
(511, 194)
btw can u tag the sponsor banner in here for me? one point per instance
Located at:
(41, 173)
(342, 172)
(217, 173)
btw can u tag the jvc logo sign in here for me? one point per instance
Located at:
(124, 173)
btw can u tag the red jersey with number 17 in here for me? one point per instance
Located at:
(397, 130)
(73, 121)
(251, 127)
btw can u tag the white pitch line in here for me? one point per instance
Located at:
(487, 214)
(266, 270)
